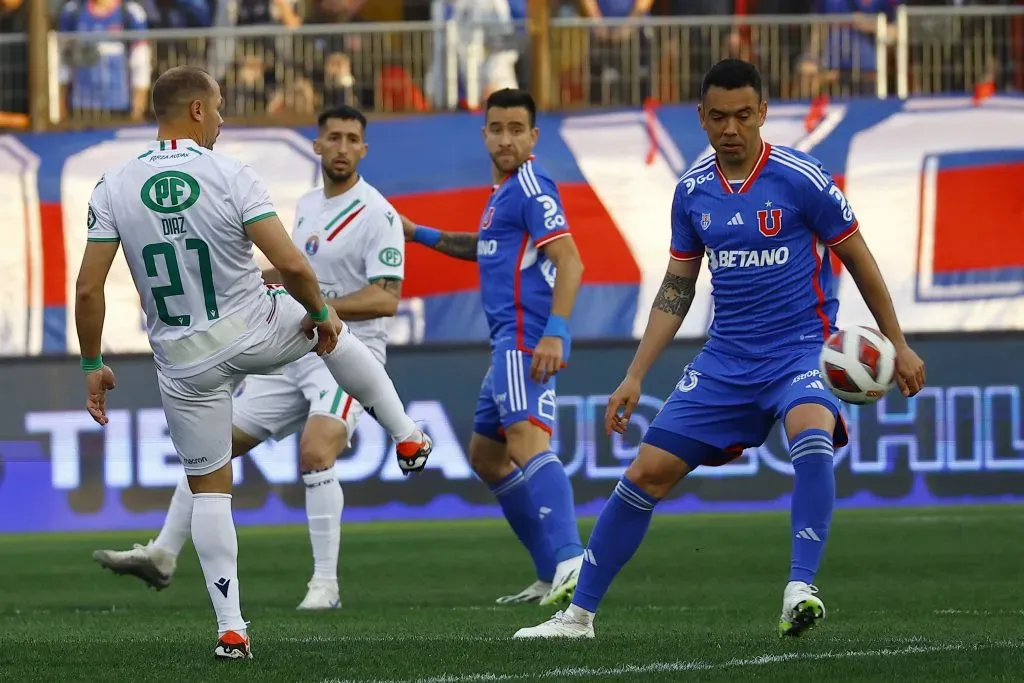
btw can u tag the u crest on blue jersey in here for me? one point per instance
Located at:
(487, 218)
(312, 244)
(769, 222)
(705, 221)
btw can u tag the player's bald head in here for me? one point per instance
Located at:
(177, 88)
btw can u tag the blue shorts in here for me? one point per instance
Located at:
(722, 403)
(509, 396)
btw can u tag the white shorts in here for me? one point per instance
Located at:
(198, 408)
(274, 406)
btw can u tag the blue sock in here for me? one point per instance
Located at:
(619, 530)
(814, 495)
(552, 494)
(521, 513)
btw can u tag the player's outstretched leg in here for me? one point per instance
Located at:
(809, 427)
(354, 367)
(490, 461)
(550, 490)
(156, 561)
(620, 528)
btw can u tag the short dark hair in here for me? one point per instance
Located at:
(731, 74)
(510, 98)
(177, 87)
(343, 112)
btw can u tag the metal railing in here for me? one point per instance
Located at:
(279, 74)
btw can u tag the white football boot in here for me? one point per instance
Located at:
(532, 593)
(801, 609)
(572, 623)
(153, 565)
(567, 575)
(322, 594)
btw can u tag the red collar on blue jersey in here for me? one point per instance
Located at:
(754, 172)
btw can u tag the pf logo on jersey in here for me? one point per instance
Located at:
(312, 244)
(769, 222)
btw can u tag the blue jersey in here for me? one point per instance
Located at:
(516, 280)
(766, 239)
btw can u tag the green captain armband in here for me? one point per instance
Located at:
(91, 364)
(321, 316)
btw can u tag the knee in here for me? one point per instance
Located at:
(805, 416)
(489, 464)
(316, 455)
(653, 477)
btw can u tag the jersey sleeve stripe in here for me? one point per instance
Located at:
(527, 181)
(252, 220)
(103, 239)
(844, 235)
(528, 166)
(816, 180)
(684, 255)
(705, 165)
(551, 238)
(780, 154)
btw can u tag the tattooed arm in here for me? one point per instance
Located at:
(379, 299)
(460, 245)
(670, 307)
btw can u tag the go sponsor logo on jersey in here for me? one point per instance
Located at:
(553, 218)
(692, 183)
(747, 258)
(170, 192)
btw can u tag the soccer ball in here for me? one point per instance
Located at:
(858, 364)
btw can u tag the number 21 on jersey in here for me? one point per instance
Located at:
(166, 251)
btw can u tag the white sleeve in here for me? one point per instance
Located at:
(385, 251)
(100, 219)
(251, 197)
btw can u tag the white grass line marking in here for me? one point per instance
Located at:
(695, 665)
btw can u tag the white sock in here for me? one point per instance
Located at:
(362, 375)
(579, 614)
(324, 503)
(213, 535)
(178, 523)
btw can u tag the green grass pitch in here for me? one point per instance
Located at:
(912, 595)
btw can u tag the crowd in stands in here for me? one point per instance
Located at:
(288, 71)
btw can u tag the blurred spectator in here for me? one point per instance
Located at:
(105, 75)
(986, 49)
(778, 48)
(335, 60)
(846, 55)
(13, 64)
(485, 38)
(619, 56)
(179, 14)
(265, 12)
(249, 82)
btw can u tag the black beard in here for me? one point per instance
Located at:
(337, 176)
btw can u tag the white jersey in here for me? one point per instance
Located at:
(352, 240)
(180, 214)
